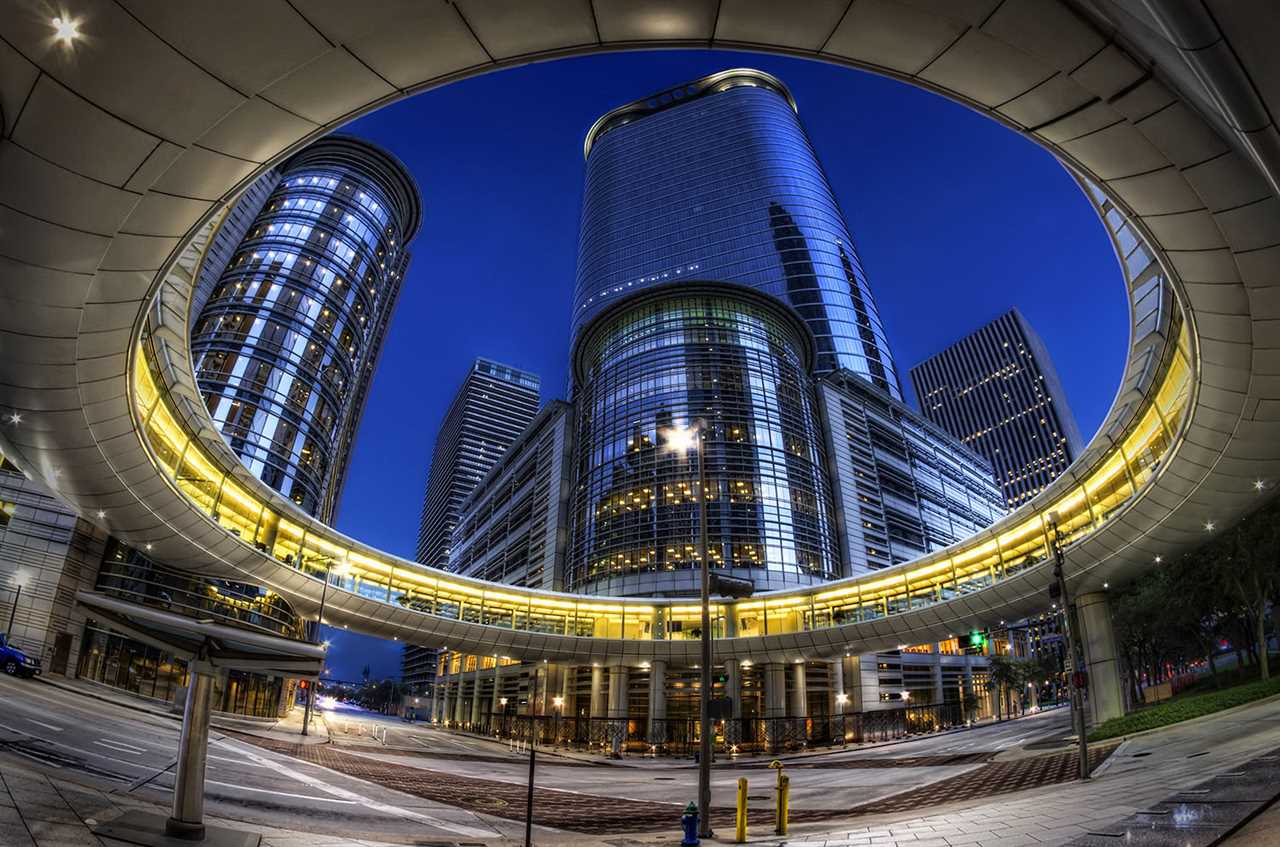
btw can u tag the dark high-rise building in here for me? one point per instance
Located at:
(492, 407)
(997, 391)
(715, 180)
(288, 335)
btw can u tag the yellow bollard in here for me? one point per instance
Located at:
(740, 829)
(780, 807)
(784, 805)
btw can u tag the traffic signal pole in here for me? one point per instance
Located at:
(1072, 630)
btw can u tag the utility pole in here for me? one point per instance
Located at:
(1072, 631)
(704, 702)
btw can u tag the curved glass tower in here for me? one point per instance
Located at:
(715, 179)
(286, 344)
(669, 357)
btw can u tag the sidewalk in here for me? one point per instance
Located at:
(1142, 773)
(288, 728)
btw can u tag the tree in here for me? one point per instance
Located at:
(1248, 563)
(1006, 675)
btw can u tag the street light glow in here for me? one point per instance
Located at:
(65, 30)
(679, 439)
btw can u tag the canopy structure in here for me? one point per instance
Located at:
(128, 133)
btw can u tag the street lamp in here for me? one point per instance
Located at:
(324, 595)
(1072, 631)
(681, 440)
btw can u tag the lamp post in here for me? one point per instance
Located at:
(19, 580)
(311, 691)
(681, 440)
(1072, 632)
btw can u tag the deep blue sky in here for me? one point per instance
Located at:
(956, 219)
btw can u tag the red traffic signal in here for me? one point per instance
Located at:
(302, 683)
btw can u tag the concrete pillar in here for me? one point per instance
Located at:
(939, 693)
(446, 716)
(733, 685)
(967, 692)
(598, 703)
(657, 701)
(495, 708)
(618, 679)
(1106, 693)
(839, 697)
(475, 697)
(799, 692)
(568, 690)
(853, 685)
(775, 690)
(458, 702)
(187, 820)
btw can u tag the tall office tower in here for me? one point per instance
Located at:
(740, 362)
(286, 342)
(492, 407)
(715, 180)
(997, 391)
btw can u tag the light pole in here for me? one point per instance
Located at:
(1073, 648)
(19, 580)
(681, 440)
(311, 691)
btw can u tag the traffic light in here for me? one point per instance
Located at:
(302, 683)
(978, 640)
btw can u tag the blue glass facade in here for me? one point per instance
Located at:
(285, 346)
(716, 180)
(667, 358)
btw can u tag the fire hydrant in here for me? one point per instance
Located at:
(689, 821)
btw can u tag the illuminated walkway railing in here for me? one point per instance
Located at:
(1006, 549)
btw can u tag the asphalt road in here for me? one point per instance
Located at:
(131, 752)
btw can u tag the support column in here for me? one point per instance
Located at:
(657, 702)
(568, 690)
(1106, 694)
(495, 707)
(799, 693)
(446, 716)
(458, 712)
(939, 693)
(837, 699)
(967, 692)
(618, 679)
(775, 703)
(598, 703)
(475, 698)
(187, 820)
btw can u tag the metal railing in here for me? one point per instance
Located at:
(733, 736)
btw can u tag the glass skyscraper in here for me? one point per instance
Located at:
(286, 342)
(668, 357)
(716, 180)
(997, 391)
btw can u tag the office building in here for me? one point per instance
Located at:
(997, 391)
(493, 406)
(287, 338)
(511, 528)
(715, 179)
(902, 486)
(492, 409)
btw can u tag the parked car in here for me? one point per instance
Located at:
(14, 662)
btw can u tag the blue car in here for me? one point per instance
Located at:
(14, 662)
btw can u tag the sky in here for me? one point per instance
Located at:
(956, 219)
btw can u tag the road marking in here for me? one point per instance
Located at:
(123, 748)
(53, 727)
(367, 802)
(239, 787)
(236, 761)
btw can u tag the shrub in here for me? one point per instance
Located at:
(1185, 708)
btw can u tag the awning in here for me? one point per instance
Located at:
(223, 647)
